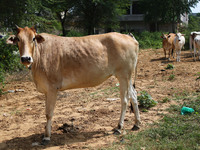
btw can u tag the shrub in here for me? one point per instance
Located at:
(9, 63)
(1, 81)
(149, 39)
(9, 60)
(145, 100)
(74, 33)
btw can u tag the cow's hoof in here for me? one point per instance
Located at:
(45, 142)
(135, 128)
(117, 132)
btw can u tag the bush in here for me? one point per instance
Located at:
(74, 33)
(10, 61)
(145, 100)
(149, 39)
(1, 81)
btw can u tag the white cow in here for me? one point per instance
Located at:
(179, 42)
(194, 42)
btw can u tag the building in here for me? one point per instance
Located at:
(133, 21)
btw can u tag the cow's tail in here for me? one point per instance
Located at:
(135, 73)
(131, 35)
(134, 86)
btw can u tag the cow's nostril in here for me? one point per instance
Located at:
(25, 59)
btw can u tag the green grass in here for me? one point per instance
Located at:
(173, 132)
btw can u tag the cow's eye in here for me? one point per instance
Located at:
(34, 39)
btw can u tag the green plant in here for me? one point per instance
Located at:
(149, 39)
(1, 81)
(165, 100)
(74, 33)
(145, 100)
(198, 76)
(170, 66)
(171, 77)
(10, 61)
(172, 132)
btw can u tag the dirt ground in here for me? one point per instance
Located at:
(90, 114)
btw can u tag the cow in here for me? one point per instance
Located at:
(61, 63)
(194, 38)
(167, 44)
(179, 42)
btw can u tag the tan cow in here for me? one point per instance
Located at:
(61, 63)
(167, 44)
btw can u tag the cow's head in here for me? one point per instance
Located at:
(26, 39)
(165, 36)
(178, 36)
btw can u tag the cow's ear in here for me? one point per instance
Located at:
(39, 38)
(12, 40)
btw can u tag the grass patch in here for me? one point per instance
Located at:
(171, 77)
(173, 132)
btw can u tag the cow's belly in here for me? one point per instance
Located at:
(83, 81)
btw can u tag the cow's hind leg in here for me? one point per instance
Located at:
(134, 102)
(124, 101)
(50, 105)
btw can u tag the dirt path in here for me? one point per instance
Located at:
(94, 115)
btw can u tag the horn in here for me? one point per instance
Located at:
(17, 26)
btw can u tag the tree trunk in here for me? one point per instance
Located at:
(63, 28)
(62, 20)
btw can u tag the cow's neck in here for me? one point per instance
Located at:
(36, 57)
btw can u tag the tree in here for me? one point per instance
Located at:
(194, 23)
(62, 10)
(166, 11)
(99, 13)
(26, 13)
(11, 12)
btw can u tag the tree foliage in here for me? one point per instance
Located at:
(26, 13)
(54, 14)
(166, 11)
(99, 13)
(194, 23)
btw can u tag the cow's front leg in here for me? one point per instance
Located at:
(50, 105)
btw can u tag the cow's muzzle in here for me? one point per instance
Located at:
(26, 59)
